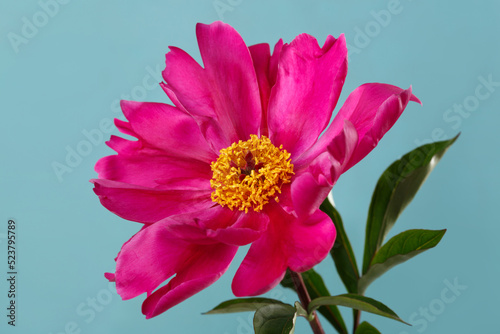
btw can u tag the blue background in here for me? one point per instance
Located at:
(67, 75)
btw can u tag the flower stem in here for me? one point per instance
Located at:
(305, 299)
(356, 318)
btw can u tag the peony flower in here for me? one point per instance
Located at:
(237, 160)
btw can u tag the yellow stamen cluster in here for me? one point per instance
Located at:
(248, 173)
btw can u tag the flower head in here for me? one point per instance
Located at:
(237, 160)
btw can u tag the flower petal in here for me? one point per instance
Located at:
(153, 255)
(155, 171)
(261, 56)
(189, 89)
(297, 243)
(308, 86)
(147, 205)
(384, 103)
(315, 179)
(222, 225)
(224, 96)
(232, 78)
(203, 265)
(266, 68)
(167, 128)
(372, 109)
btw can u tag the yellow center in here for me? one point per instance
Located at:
(249, 173)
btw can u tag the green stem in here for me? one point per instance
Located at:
(305, 299)
(357, 318)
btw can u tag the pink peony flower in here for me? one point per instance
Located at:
(238, 160)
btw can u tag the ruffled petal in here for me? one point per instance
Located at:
(261, 56)
(189, 89)
(289, 242)
(202, 266)
(224, 96)
(167, 128)
(221, 224)
(315, 179)
(384, 103)
(155, 171)
(232, 78)
(147, 205)
(266, 68)
(372, 109)
(308, 86)
(152, 256)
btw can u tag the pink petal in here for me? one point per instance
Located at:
(147, 205)
(297, 243)
(308, 192)
(155, 171)
(171, 95)
(189, 89)
(266, 68)
(261, 56)
(311, 241)
(203, 265)
(231, 73)
(167, 128)
(110, 277)
(390, 101)
(153, 255)
(274, 61)
(314, 180)
(221, 224)
(308, 86)
(372, 109)
(223, 97)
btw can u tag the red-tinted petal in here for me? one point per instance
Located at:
(147, 205)
(308, 86)
(372, 109)
(261, 56)
(155, 171)
(153, 255)
(222, 225)
(297, 243)
(202, 266)
(315, 179)
(224, 96)
(167, 128)
(232, 78)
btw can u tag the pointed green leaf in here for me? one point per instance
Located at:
(275, 319)
(358, 302)
(317, 288)
(342, 253)
(394, 191)
(397, 250)
(366, 328)
(242, 305)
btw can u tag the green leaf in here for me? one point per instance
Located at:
(358, 302)
(342, 253)
(394, 191)
(397, 250)
(243, 305)
(366, 328)
(317, 288)
(275, 319)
